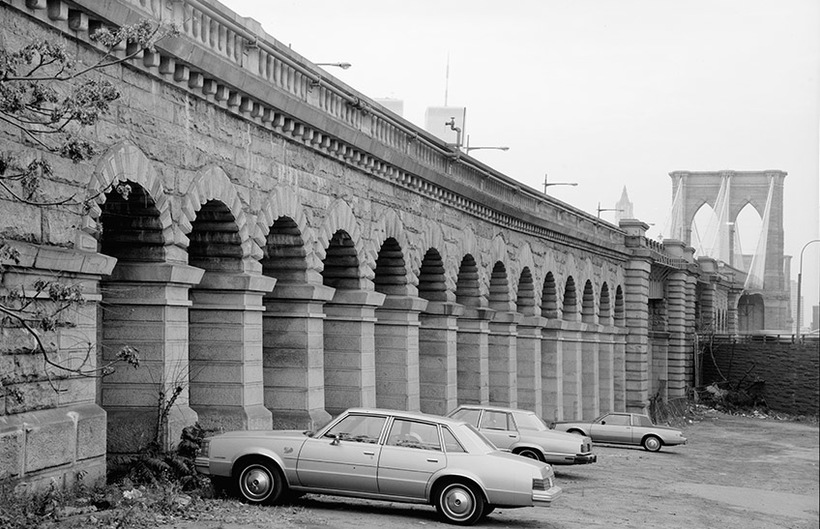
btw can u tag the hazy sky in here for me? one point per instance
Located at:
(605, 93)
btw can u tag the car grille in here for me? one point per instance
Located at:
(542, 484)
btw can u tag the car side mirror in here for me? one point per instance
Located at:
(335, 438)
(603, 422)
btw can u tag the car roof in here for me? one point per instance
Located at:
(407, 415)
(492, 408)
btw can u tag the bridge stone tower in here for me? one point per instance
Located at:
(764, 304)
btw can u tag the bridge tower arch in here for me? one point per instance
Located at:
(732, 191)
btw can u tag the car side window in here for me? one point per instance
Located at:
(468, 415)
(643, 420)
(413, 434)
(494, 420)
(358, 428)
(616, 420)
(451, 444)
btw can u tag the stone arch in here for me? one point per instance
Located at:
(569, 308)
(432, 280)
(389, 230)
(340, 217)
(588, 303)
(619, 312)
(500, 298)
(525, 301)
(283, 203)
(390, 276)
(604, 306)
(212, 185)
(549, 297)
(468, 288)
(125, 163)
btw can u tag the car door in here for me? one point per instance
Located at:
(346, 457)
(499, 428)
(409, 457)
(612, 428)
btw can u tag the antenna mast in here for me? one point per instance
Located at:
(447, 79)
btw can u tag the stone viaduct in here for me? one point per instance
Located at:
(289, 248)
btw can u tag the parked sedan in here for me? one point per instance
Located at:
(523, 433)
(625, 428)
(382, 455)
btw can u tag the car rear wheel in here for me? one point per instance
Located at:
(652, 443)
(530, 454)
(460, 503)
(260, 482)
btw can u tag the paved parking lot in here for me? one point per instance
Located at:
(735, 473)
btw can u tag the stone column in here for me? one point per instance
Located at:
(636, 297)
(503, 371)
(689, 335)
(350, 350)
(573, 370)
(226, 351)
(397, 353)
(146, 307)
(590, 371)
(528, 361)
(293, 355)
(552, 371)
(731, 311)
(437, 356)
(619, 370)
(676, 310)
(473, 355)
(606, 368)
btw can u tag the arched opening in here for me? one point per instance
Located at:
(750, 313)
(569, 308)
(467, 289)
(341, 264)
(588, 303)
(704, 217)
(432, 284)
(747, 232)
(619, 313)
(499, 288)
(284, 253)
(525, 302)
(390, 274)
(604, 309)
(549, 298)
(130, 316)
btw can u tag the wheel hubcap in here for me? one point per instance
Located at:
(458, 502)
(257, 483)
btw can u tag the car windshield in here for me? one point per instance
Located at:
(529, 421)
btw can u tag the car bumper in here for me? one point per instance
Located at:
(585, 459)
(543, 498)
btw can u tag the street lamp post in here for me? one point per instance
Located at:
(799, 285)
(547, 184)
(467, 147)
(600, 209)
(342, 65)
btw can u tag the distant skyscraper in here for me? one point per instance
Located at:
(435, 119)
(623, 208)
(393, 105)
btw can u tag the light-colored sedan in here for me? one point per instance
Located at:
(523, 433)
(382, 455)
(625, 428)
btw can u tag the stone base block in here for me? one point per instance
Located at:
(132, 429)
(227, 418)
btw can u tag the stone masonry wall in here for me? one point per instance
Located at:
(790, 372)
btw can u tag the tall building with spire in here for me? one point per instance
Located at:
(623, 208)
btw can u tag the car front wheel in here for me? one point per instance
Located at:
(260, 482)
(460, 503)
(652, 443)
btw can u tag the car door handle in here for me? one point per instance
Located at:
(512, 435)
(368, 453)
(432, 460)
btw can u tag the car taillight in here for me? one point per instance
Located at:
(205, 448)
(540, 484)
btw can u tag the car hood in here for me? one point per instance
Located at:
(262, 434)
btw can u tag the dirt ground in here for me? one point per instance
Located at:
(736, 472)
